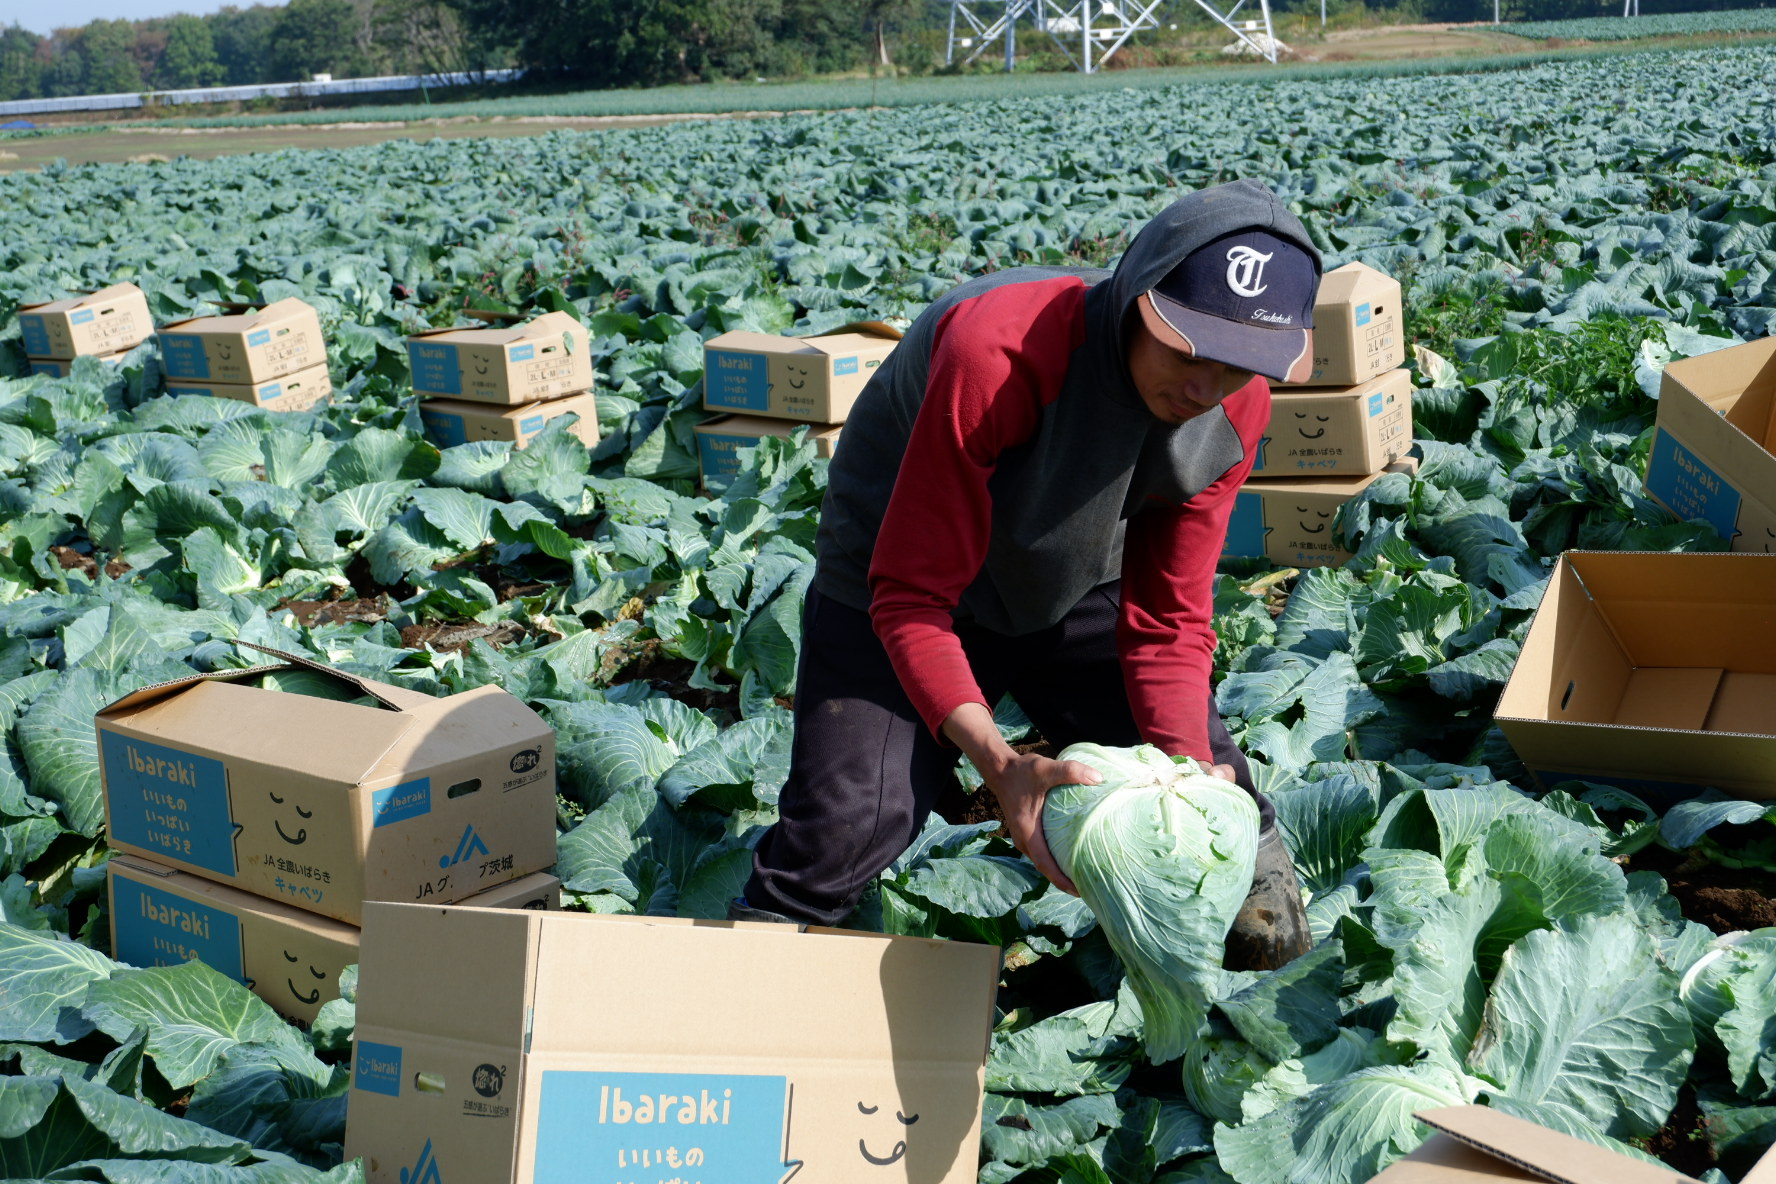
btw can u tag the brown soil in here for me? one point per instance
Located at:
(459, 636)
(87, 565)
(1683, 1142)
(1723, 898)
(365, 610)
(958, 806)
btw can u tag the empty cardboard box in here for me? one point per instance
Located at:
(1478, 1145)
(1654, 672)
(450, 422)
(1289, 522)
(289, 958)
(246, 345)
(720, 440)
(478, 1058)
(108, 321)
(1353, 430)
(811, 379)
(300, 391)
(1359, 327)
(323, 804)
(1710, 457)
(540, 359)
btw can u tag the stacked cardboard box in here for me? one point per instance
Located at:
(269, 355)
(104, 324)
(504, 382)
(1330, 438)
(251, 824)
(1712, 448)
(766, 385)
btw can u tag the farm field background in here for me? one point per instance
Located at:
(1561, 230)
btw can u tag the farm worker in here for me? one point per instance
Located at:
(1031, 497)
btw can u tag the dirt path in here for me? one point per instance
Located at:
(120, 144)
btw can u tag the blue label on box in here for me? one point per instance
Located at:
(435, 367)
(845, 366)
(53, 369)
(720, 1128)
(1376, 402)
(271, 391)
(1689, 487)
(189, 390)
(446, 428)
(169, 802)
(530, 425)
(82, 316)
(1363, 315)
(718, 456)
(182, 356)
(36, 334)
(736, 382)
(398, 803)
(1245, 528)
(377, 1068)
(258, 337)
(155, 927)
(521, 353)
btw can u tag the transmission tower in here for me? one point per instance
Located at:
(1088, 32)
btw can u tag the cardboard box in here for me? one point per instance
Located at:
(321, 803)
(1289, 522)
(1476, 1145)
(108, 321)
(293, 392)
(1354, 430)
(719, 441)
(1359, 326)
(479, 1057)
(1710, 456)
(811, 379)
(1654, 672)
(540, 359)
(450, 421)
(62, 367)
(246, 345)
(289, 958)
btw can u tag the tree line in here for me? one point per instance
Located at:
(594, 43)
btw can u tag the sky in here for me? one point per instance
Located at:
(40, 16)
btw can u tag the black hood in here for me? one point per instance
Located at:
(1193, 221)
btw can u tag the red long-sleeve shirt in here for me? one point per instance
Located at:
(997, 360)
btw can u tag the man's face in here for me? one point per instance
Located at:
(1175, 386)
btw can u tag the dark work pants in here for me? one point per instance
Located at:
(864, 771)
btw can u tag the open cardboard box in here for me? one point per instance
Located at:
(323, 804)
(557, 1048)
(1477, 1145)
(289, 958)
(246, 345)
(108, 321)
(811, 379)
(543, 358)
(1654, 672)
(1352, 430)
(1710, 457)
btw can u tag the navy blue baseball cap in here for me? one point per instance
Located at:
(1245, 300)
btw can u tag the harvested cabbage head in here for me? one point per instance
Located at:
(1162, 853)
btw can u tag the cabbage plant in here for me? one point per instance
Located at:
(1162, 853)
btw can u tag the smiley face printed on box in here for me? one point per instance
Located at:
(1302, 428)
(304, 981)
(292, 814)
(1312, 521)
(884, 1143)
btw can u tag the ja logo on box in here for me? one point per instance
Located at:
(467, 847)
(425, 1171)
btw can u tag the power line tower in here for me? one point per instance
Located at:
(1088, 32)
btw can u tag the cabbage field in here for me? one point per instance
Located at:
(1659, 24)
(1561, 231)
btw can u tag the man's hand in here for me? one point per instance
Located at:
(1020, 783)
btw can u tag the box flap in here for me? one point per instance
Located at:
(547, 325)
(1763, 1171)
(1688, 608)
(142, 696)
(832, 344)
(393, 697)
(869, 329)
(460, 974)
(1663, 697)
(460, 727)
(1548, 1154)
(1745, 703)
(768, 343)
(1443, 1160)
(83, 299)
